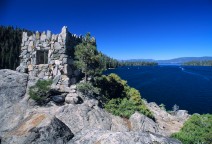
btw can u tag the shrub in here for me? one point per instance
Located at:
(112, 86)
(119, 98)
(162, 106)
(125, 108)
(40, 91)
(121, 107)
(87, 89)
(197, 129)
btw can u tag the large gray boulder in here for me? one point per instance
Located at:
(12, 87)
(119, 124)
(140, 122)
(84, 116)
(89, 116)
(109, 137)
(182, 114)
(167, 122)
(12, 90)
(25, 123)
(39, 129)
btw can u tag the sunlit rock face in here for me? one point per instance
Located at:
(78, 120)
(13, 87)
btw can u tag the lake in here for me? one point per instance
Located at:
(188, 87)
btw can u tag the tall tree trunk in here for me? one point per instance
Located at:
(85, 77)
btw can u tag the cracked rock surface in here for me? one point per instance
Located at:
(77, 123)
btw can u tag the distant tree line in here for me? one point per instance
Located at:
(137, 63)
(109, 62)
(198, 63)
(10, 46)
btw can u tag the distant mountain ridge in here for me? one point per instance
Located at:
(173, 61)
(184, 59)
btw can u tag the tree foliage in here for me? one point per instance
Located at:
(10, 46)
(137, 63)
(119, 98)
(87, 58)
(112, 86)
(108, 62)
(196, 130)
(87, 89)
(40, 91)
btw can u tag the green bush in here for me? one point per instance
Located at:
(196, 130)
(40, 91)
(87, 89)
(119, 98)
(121, 107)
(162, 106)
(125, 108)
(112, 86)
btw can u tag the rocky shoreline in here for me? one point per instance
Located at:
(79, 120)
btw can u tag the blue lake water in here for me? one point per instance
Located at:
(188, 87)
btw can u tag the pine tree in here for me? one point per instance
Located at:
(10, 46)
(87, 58)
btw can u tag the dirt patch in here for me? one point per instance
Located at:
(37, 120)
(128, 123)
(98, 142)
(27, 124)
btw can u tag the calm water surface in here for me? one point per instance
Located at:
(188, 87)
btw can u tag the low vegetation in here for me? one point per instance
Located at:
(119, 98)
(87, 89)
(196, 130)
(40, 91)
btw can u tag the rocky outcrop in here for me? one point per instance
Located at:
(84, 116)
(78, 120)
(89, 116)
(12, 90)
(140, 122)
(167, 122)
(12, 87)
(39, 129)
(109, 137)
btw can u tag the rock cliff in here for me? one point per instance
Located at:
(77, 121)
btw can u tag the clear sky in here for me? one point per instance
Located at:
(124, 29)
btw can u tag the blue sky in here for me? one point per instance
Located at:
(124, 29)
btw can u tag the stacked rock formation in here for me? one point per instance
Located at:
(59, 50)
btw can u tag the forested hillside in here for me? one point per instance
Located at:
(10, 46)
(138, 63)
(199, 63)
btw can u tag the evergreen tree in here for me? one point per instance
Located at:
(10, 46)
(87, 58)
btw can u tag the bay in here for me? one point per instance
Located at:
(187, 86)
